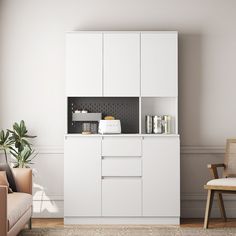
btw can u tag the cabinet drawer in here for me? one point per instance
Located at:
(122, 146)
(121, 196)
(121, 166)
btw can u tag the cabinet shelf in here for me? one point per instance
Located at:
(160, 106)
(125, 109)
(130, 110)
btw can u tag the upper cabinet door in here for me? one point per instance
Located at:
(159, 61)
(84, 64)
(121, 64)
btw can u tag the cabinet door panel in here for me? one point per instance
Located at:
(159, 64)
(161, 176)
(84, 64)
(121, 64)
(82, 181)
(121, 196)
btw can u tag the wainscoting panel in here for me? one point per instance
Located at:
(194, 174)
(48, 182)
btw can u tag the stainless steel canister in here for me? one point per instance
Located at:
(157, 124)
(167, 124)
(86, 127)
(148, 124)
(94, 128)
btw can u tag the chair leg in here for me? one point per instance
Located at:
(210, 197)
(221, 206)
(30, 223)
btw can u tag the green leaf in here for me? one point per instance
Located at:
(30, 136)
(16, 127)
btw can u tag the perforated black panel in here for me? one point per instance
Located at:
(125, 109)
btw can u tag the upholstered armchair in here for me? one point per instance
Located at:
(16, 208)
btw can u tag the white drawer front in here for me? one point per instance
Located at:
(122, 146)
(121, 196)
(121, 166)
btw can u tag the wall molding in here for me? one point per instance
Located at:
(202, 150)
(50, 149)
(45, 150)
(47, 197)
(185, 149)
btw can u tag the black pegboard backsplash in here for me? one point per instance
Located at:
(125, 109)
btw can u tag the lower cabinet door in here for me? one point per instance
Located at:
(121, 196)
(82, 177)
(161, 176)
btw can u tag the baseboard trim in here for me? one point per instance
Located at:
(122, 220)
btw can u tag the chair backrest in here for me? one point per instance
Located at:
(230, 158)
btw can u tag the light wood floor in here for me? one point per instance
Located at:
(214, 223)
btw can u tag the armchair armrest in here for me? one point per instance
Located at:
(23, 179)
(213, 169)
(3, 210)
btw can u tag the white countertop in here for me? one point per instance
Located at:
(121, 135)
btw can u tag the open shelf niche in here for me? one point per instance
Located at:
(126, 109)
(160, 106)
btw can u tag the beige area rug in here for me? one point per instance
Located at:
(127, 231)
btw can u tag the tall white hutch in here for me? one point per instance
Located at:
(131, 177)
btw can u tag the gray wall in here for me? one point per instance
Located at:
(32, 79)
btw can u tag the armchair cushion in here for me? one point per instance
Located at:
(10, 177)
(23, 179)
(4, 181)
(223, 182)
(18, 205)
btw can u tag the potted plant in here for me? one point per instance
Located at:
(17, 142)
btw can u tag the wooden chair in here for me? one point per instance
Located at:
(227, 184)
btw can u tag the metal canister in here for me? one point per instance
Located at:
(167, 124)
(86, 127)
(157, 124)
(94, 128)
(148, 124)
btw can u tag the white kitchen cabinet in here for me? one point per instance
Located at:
(121, 196)
(128, 178)
(159, 64)
(84, 64)
(82, 181)
(121, 64)
(161, 176)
